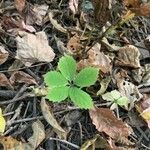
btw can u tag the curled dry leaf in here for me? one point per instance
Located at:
(96, 59)
(33, 48)
(128, 56)
(105, 121)
(3, 55)
(4, 81)
(49, 117)
(56, 24)
(22, 77)
(20, 4)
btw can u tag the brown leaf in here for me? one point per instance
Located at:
(49, 117)
(97, 142)
(37, 137)
(102, 11)
(3, 55)
(96, 59)
(22, 77)
(9, 143)
(20, 4)
(128, 56)
(105, 121)
(33, 48)
(140, 9)
(4, 81)
(143, 108)
(74, 45)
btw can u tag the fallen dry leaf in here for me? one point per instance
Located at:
(37, 137)
(33, 48)
(39, 12)
(96, 59)
(140, 9)
(22, 77)
(55, 23)
(20, 4)
(131, 91)
(97, 142)
(74, 46)
(49, 117)
(4, 81)
(128, 56)
(2, 122)
(9, 143)
(73, 5)
(143, 108)
(105, 121)
(3, 55)
(102, 11)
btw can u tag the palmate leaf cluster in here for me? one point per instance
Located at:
(67, 83)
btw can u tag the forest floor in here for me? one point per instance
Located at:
(112, 36)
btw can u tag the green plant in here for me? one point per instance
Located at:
(68, 83)
(116, 99)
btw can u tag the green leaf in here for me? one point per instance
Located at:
(58, 94)
(111, 96)
(86, 77)
(54, 79)
(80, 98)
(123, 101)
(67, 66)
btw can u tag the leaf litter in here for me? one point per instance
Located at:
(112, 36)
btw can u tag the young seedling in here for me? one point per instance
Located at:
(67, 83)
(115, 98)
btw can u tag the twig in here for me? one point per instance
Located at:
(66, 142)
(7, 93)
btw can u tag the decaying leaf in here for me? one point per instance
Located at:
(33, 48)
(140, 9)
(131, 91)
(73, 5)
(39, 12)
(2, 122)
(51, 120)
(22, 77)
(102, 11)
(4, 81)
(128, 56)
(96, 59)
(3, 55)
(56, 24)
(37, 137)
(105, 121)
(9, 143)
(104, 84)
(143, 108)
(97, 142)
(20, 4)
(74, 46)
